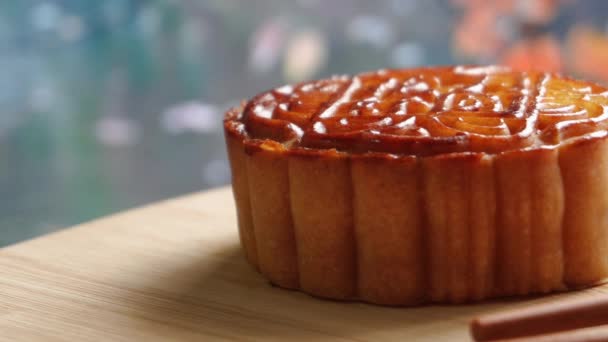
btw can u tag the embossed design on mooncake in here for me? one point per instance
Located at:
(485, 109)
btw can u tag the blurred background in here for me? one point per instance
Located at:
(107, 105)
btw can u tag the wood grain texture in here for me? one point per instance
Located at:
(174, 271)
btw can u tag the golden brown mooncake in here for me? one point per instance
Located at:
(445, 185)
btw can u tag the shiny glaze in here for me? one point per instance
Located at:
(427, 111)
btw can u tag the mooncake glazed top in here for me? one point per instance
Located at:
(426, 111)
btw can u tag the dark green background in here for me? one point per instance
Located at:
(85, 88)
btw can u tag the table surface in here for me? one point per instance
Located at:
(174, 271)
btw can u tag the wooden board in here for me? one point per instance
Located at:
(174, 271)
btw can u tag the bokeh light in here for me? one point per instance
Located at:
(111, 104)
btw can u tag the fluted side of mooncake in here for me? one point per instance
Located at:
(405, 230)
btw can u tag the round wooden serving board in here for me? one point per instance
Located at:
(174, 271)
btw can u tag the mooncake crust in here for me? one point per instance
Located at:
(511, 200)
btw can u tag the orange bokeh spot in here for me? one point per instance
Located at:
(540, 54)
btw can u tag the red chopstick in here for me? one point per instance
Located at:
(562, 319)
(597, 333)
